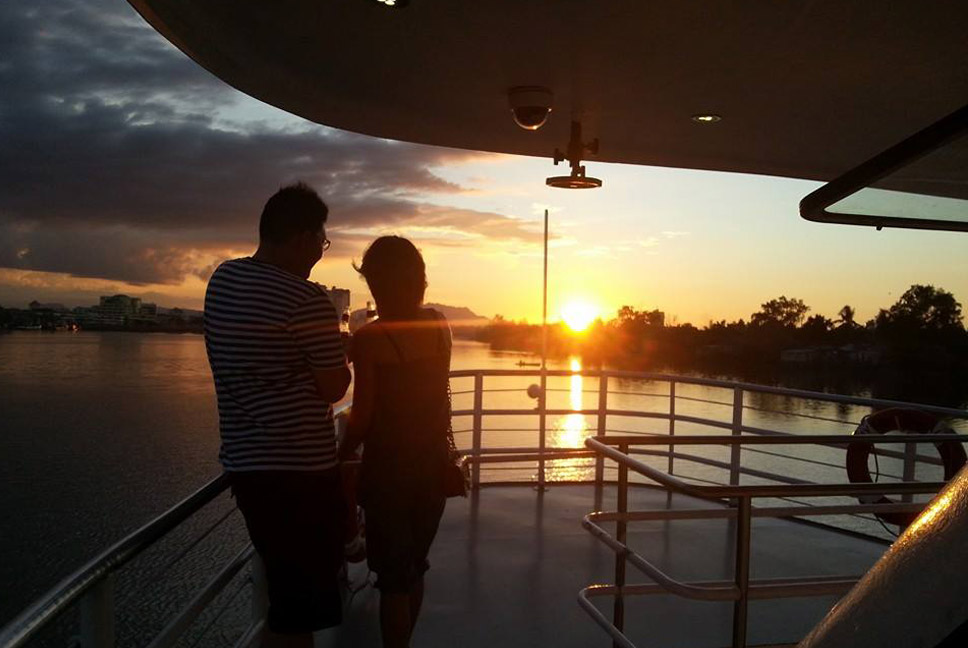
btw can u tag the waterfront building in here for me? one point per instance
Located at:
(115, 310)
(340, 298)
(52, 307)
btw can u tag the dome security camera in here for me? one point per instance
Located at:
(530, 106)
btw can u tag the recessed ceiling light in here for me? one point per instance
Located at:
(706, 118)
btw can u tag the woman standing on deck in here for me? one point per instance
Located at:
(401, 414)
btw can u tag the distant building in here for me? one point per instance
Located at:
(862, 354)
(340, 298)
(116, 310)
(53, 306)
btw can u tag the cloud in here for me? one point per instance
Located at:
(121, 159)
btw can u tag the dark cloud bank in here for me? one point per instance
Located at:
(112, 164)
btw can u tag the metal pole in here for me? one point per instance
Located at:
(543, 402)
(910, 467)
(602, 422)
(621, 527)
(97, 615)
(737, 430)
(544, 300)
(478, 418)
(672, 421)
(740, 607)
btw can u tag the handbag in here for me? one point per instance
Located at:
(457, 478)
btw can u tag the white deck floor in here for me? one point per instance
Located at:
(508, 564)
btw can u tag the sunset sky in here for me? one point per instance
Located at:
(124, 167)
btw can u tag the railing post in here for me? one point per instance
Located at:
(602, 423)
(910, 467)
(743, 536)
(260, 590)
(97, 615)
(621, 528)
(734, 462)
(672, 421)
(478, 424)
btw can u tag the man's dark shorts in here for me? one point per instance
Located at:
(399, 532)
(295, 520)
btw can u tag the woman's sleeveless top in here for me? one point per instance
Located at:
(405, 450)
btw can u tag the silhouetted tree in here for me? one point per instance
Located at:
(783, 311)
(815, 329)
(845, 317)
(923, 307)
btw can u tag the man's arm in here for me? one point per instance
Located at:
(315, 329)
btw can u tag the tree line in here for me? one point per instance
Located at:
(922, 328)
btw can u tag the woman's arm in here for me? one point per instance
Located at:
(364, 385)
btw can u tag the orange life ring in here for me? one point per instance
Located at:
(909, 421)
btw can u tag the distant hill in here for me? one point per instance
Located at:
(458, 316)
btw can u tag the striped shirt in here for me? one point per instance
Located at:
(265, 330)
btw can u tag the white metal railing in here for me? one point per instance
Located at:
(742, 588)
(482, 453)
(91, 590)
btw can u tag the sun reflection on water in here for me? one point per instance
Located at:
(570, 431)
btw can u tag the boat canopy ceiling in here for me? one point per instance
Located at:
(804, 89)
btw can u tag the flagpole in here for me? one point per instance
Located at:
(544, 305)
(543, 402)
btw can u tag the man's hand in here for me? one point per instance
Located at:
(331, 384)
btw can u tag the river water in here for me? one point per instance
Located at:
(100, 432)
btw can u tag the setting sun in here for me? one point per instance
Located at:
(578, 315)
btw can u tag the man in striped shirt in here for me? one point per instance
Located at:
(277, 357)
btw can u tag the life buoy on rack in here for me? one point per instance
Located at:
(908, 421)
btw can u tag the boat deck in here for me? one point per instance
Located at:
(509, 562)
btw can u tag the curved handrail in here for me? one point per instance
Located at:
(28, 622)
(717, 492)
(22, 627)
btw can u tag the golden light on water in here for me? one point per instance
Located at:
(574, 394)
(578, 315)
(570, 431)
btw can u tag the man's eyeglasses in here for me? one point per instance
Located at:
(323, 241)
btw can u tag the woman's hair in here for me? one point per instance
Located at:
(396, 275)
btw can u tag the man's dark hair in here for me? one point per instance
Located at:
(290, 211)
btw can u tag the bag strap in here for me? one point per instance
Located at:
(442, 344)
(393, 342)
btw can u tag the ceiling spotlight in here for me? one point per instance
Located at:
(706, 118)
(397, 4)
(530, 106)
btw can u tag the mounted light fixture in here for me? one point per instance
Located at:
(396, 4)
(707, 118)
(577, 179)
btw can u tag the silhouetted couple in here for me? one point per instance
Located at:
(279, 363)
